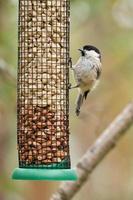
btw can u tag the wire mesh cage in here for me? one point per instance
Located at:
(43, 84)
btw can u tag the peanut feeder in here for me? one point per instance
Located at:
(43, 93)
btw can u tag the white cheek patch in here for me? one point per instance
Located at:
(92, 53)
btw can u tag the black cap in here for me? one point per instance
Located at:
(90, 47)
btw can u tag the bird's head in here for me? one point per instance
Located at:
(90, 51)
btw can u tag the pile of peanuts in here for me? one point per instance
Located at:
(43, 132)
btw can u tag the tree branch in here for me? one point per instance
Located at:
(96, 153)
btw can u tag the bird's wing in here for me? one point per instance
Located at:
(77, 73)
(98, 70)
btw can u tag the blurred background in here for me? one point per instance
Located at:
(107, 24)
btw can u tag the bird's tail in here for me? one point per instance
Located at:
(79, 101)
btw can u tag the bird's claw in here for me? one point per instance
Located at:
(70, 62)
(69, 86)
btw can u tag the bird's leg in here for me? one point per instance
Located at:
(70, 63)
(72, 87)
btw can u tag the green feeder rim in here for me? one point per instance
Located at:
(44, 174)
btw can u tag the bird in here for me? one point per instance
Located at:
(87, 72)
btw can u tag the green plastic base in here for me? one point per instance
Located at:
(44, 174)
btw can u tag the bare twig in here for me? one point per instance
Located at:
(96, 153)
(6, 72)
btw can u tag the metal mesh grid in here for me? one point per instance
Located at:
(43, 78)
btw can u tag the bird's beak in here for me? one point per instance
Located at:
(82, 52)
